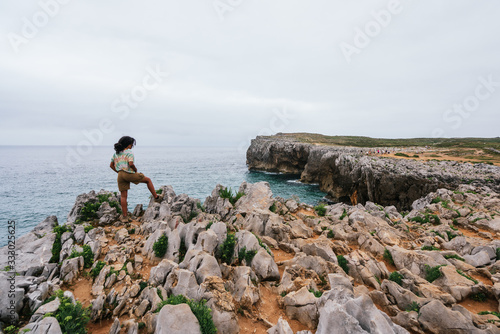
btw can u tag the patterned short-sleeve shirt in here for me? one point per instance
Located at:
(123, 160)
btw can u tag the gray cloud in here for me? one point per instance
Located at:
(227, 76)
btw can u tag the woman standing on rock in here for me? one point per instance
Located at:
(122, 163)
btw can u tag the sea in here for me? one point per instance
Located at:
(40, 181)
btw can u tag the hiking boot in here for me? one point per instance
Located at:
(158, 199)
(124, 219)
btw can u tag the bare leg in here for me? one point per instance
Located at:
(123, 202)
(151, 188)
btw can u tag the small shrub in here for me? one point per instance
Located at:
(72, 318)
(316, 294)
(131, 231)
(414, 306)
(228, 193)
(454, 256)
(479, 297)
(388, 256)
(399, 154)
(226, 251)
(182, 251)
(209, 225)
(57, 245)
(450, 235)
(11, 330)
(433, 273)
(283, 294)
(343, 215)
(343, 263)
(460, 272)
(248, 256)
(273, 207)
(159, 191)
(199, 309)
(200, 206)
(88, 228)
(143, 285)
(430, 248)
(320, 209)
(97, 269)
(498, 253)
(436, 200)
(396, 277)
(142, 325)
(160, 246)
(330, 234)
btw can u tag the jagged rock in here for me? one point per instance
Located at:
(159, 273)
(299, 229)
(479, 259)
(292, 205)
(333, 319)
(282, 327)
(34, 249)
(415, 261)
(301, 305)
(71, 268)
(221, 304)
(264, 266)
(168, 320)
(121, 235)
(79, 234)
(115, 328)
(141, 309)
(202, 264)
(138, 210)
(182, 282)
(245, 292)
(106, 214)
(403, 297)
(257, 197)
(50, 307)
(218, 205)
(365, 269)
(48, 325)
(98, 285)
(97, 307)
(207, 241)
(438, 319)
(314, 263)
(453, 283)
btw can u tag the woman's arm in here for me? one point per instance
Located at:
(112, 166)
(132, 166)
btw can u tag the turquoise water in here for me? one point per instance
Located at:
(38, 181)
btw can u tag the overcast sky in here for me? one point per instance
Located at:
(237, 68)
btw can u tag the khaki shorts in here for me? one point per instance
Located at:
(125, 178)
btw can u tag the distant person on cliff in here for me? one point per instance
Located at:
(122, 163)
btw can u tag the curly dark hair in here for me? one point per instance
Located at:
(123, 143)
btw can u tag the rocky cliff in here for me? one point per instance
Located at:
(259, 264)
(350, 175)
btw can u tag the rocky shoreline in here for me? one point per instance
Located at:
(253, 263)
(350, 175)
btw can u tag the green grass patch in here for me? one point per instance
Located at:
(414, 306)
(430, 248)
(316, 294)
(433, 273)
(88, 255)
(182, 251)
(226, 250)
(454, 256)
(343, 215)
(460, 272)
(72, 319)
(396, 277)
(160, 246)
(320, 209)
(248, 256)
(228, 193)
(97, 269)
(427, 218)
(57, 245)
(199, 309)
(343, 263)
(388, 256)
(330, 234)
(399, 154)
(479, 297)
(273, 207)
